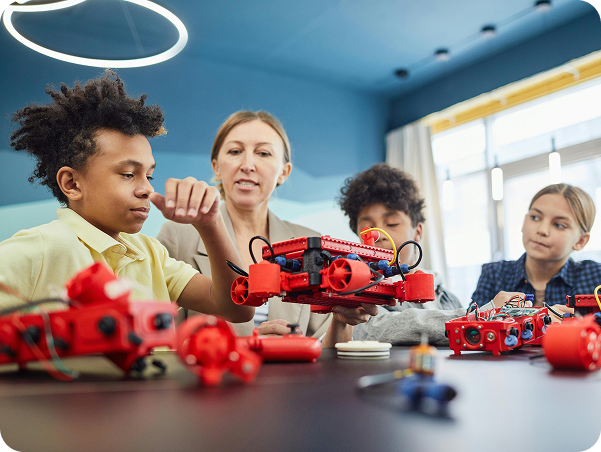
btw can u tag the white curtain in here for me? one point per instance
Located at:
(409, 149)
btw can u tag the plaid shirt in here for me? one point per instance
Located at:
(510, 276)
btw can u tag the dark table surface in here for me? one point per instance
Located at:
(513, 402)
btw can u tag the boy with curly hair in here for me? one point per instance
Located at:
(388, 198)
(92, 151)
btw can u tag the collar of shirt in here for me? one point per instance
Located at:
(519, 272)
(95, 238)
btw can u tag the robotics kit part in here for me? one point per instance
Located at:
(325, 272)
(575, 343)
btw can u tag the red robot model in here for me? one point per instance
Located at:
(497, 330)
(100, 319)
(325, 272)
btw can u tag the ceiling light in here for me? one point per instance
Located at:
(448, 194)
(554, 164)
(135, 62)
(496, 176)
(401, 73)
(542, 6)
(489, 31)
(442, 55)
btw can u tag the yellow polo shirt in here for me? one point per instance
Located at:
(39, 261)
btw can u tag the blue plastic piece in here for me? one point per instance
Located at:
(417, 387)
(529, 297)
(383, 265)
(511, 341)
(405, 268)
(352, 256)
(526, 335)
(289, 264)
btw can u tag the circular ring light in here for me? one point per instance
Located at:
(136, 62)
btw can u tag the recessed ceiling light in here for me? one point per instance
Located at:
(489, 31)
(542, 6)
(135, 62)
(401, 73)
(442, 55)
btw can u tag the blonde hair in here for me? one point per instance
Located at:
(240, 117)
(580, 202)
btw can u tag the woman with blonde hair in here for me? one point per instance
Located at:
(559, 221)
(250, 158)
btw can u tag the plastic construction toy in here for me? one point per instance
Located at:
(498, 330)
(325, 272)
(585, 304)
(209, 347)
(99, 319)
(416, 384)
(575, 343)
(289, 347)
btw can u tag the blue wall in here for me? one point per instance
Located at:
(554, 48)
(334, 131)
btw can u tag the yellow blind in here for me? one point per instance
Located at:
(570, 74)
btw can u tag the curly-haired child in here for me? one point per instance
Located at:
(388, 198)
(92, 151)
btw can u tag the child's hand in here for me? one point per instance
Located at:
(277, 327)
(188, 201)
(354, 316)
(502, 297)
(560, 309)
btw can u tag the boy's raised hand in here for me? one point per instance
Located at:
(188, 201)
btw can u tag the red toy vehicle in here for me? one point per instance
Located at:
(575, 343)
(100, 319)
(497, 330)
(324, 272)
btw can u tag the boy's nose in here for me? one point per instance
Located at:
(144, 190)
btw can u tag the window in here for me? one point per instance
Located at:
(519, 139)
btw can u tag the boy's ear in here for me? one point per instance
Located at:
(67, 181)
(584, 238)
(419, 230)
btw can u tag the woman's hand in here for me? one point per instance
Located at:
(277, 327)
(341, 328)
(354, 316)
(188, 201)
